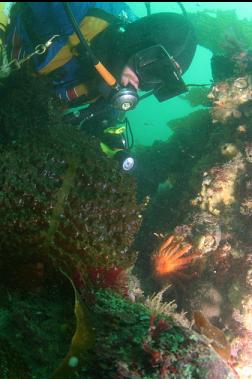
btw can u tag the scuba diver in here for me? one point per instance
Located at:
(98, 56)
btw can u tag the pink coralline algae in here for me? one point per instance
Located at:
(218, 186)
(228, 96)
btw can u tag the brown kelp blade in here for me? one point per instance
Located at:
(82, 340)
(216, 336)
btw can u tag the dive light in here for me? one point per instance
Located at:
(125, 160)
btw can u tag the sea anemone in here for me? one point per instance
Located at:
(173, 256)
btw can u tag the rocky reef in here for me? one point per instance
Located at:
(60, 198)
(68, 219)
(205, 207)
(64, 207)
(221, 29)
(144, 344)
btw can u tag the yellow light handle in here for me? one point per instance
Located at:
(107, 76)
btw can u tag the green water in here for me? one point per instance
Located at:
(149, 120)
(179, 225)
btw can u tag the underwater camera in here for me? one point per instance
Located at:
(158, 72)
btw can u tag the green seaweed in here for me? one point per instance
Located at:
(129, 337)
(12, 366)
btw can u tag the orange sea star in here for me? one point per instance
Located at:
(172, 257)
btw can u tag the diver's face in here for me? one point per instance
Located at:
(129, 77)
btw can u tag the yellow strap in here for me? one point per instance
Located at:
(108, 151)
(115, 130)
(90, 27)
